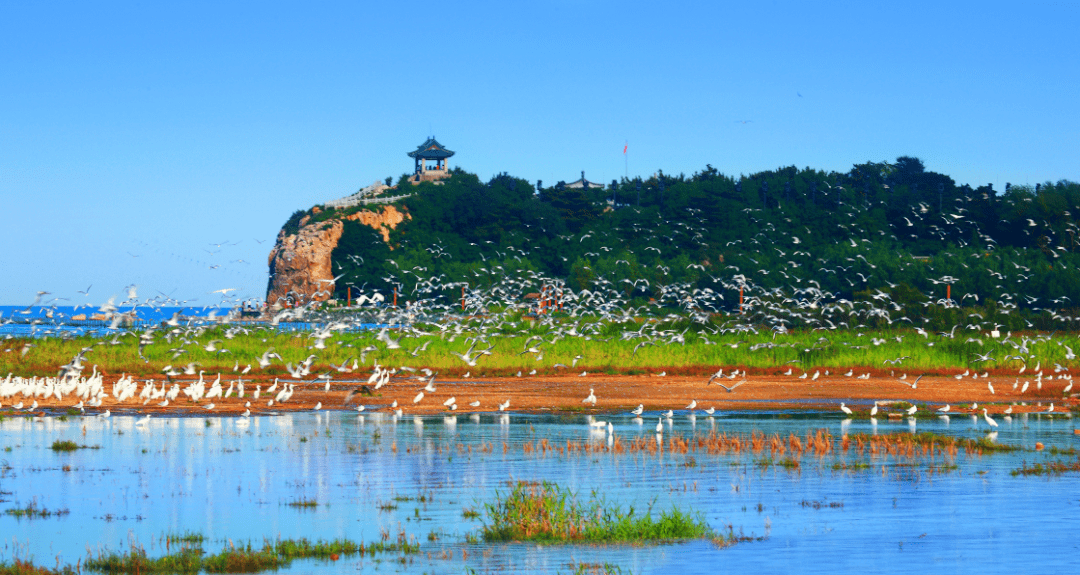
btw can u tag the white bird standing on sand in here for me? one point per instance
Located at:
(692, 406)
(418, 397)
(638, 410)
(944, 409)
(911, 410)
(318, 406)
(450, 401)
(591, 399)
(990, 386)
(503, 406)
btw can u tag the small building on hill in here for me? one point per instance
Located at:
(430, 158)
(583, 183)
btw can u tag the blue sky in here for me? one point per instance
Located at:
(134, 137)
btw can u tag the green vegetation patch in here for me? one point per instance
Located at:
(245, 558)
(18, 567)
(189, 537)
(1050, 468)
(547, 513)
(33, 511)
(946, 442)
(68, 445)
(185, 560)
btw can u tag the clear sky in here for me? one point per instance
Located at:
(136, 137)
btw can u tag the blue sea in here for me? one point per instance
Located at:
(36, 321)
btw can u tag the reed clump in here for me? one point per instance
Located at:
(184, 560)
(1049, 468)
(547, 513)
(19, 567)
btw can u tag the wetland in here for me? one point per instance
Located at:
(443, 493)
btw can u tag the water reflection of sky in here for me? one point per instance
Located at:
(235, 478)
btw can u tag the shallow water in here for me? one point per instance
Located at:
(234, 478)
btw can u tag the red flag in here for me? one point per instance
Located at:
(624, 148)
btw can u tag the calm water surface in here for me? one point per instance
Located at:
(233, 479)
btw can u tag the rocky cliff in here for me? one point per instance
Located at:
(300, 262)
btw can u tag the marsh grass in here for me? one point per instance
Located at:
(32, 511)
(547, 513)
(188, 537)
(304, 503)
(605, 350)
(19, 567)
(244, 558)
(822, 504)
(731, 538)
(596, 569)
(184, 560)
(1049, 468)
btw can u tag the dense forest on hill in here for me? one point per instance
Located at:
(893, 228)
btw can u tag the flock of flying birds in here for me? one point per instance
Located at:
(494, 298)
(600, 314)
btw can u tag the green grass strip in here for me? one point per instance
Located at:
(241, 559)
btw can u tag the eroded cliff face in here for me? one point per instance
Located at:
(300, 262)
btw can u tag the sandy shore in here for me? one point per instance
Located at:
(614, 394)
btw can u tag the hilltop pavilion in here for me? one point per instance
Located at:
(430, 160)
(583, 183)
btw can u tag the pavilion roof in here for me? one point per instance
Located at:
(431, 150)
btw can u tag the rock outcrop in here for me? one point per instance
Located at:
(300, 262)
